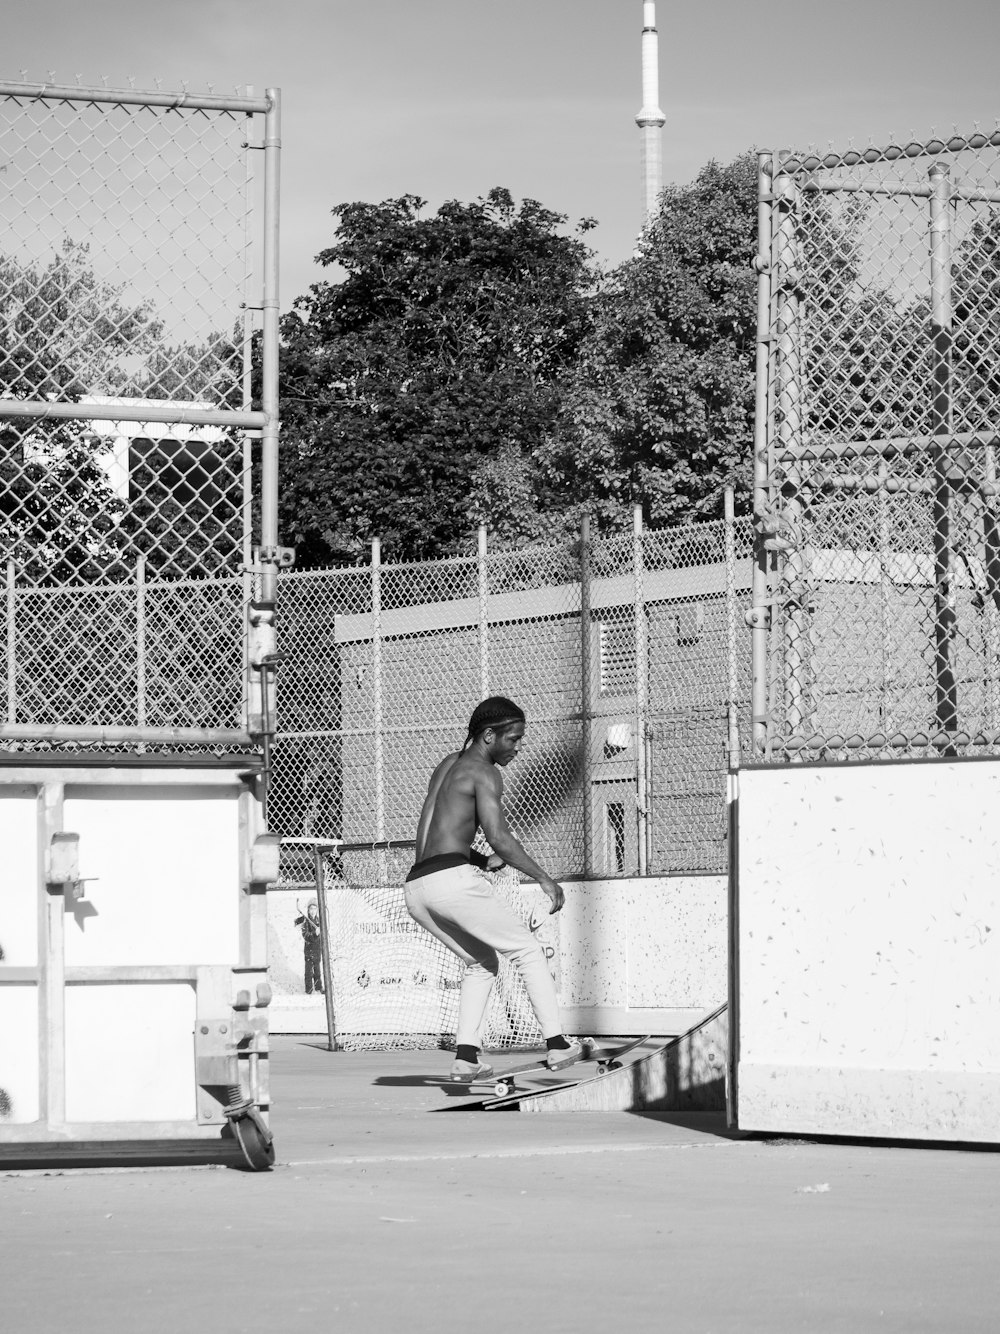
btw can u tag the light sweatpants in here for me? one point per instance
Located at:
(458, 906)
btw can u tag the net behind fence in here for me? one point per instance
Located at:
(396, 987)
(880, 401)
(619, 655)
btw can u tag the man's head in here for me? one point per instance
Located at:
(312, 910)
(499, 723)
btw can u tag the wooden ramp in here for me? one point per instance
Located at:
(687, 1074)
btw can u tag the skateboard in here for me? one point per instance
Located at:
(505, 1083)
(606, 1060)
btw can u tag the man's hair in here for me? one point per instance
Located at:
(495, 712)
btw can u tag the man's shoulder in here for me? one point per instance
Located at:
(465, 764)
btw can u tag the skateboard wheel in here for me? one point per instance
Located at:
(501, 1088)
(612, 1065)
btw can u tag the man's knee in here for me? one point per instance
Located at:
(528, 953)
(488, 962)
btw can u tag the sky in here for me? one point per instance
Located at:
(447, 98)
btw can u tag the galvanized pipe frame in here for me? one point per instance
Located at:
(956, 143)
(759, 616)
(789, 410)
(265, 421)
(951, 478)
(68, 92)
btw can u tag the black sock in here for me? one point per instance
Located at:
(470, 1054)
(558, 1043)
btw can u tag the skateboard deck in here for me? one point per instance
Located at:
(505, 1082)
(510, 1093)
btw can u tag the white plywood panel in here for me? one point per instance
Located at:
(869, 949)
(19, 880)
(18, 1053)
(593, 944)
(677, 942)
(165, 867)
(130, 1052)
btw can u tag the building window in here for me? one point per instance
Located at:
(616, 835)
(690, 622)
(617, 656)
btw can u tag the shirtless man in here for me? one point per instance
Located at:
(449, 896)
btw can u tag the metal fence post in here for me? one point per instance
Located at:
(269, 352)
(319, 878)
(729, 501)
(378, 702)
(482, 569)
(761, 610)
(585, 689)
(945, 618)
(991, 611)
(140, 641)
(788, 367)
(11, 643)
(641, 692)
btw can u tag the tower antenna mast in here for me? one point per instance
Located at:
(650, 119)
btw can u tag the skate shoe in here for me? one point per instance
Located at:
(464, 1072)
(560, 1058)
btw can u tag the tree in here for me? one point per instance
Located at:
(65, 332)
(660, 409)
(415, 387)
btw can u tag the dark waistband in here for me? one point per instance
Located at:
(441, 861)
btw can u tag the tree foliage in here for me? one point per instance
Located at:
(64, 331)
(420, 384)
(660, 408)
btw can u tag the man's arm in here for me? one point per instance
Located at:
(493, 822)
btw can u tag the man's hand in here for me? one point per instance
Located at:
(494, 862)
(555, 892)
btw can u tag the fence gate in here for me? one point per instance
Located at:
(876, 633)
(139, 259)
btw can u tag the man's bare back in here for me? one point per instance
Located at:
(465, 794)
(449, 820)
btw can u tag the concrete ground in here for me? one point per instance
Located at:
(389, 1209)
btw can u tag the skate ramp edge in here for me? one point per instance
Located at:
(686, 1074)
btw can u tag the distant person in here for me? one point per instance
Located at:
(447, 893)
(312, 946)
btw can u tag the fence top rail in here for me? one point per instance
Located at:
(182, 101)
(956, 143)
(145, 413)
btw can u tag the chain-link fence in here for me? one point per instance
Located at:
(619, 650)
(877, 594)
(136, 242)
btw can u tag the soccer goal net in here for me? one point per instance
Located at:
(393, 985)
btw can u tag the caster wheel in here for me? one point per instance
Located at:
(256, 1147)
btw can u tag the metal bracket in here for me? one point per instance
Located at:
(758, 618)
(283, 557)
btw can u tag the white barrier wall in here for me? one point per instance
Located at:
(133, 985)
(868, 950)
(630, 956)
